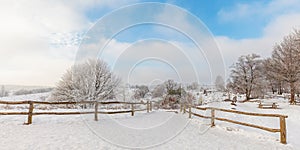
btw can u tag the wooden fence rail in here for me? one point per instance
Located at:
(31, 113)
(64, 103)
(213, 117)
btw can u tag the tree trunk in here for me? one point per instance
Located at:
(247, 97)
(228, 95)
(248, 93)
(292, 86)
(280, 89)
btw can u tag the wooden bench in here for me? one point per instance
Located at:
(268, 105)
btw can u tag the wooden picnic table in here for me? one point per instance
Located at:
(272, 105)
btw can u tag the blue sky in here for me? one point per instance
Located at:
(209, 13)
(39, 39)
(239, 24)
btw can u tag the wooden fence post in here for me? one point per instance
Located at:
(212, 117)
(282, 130)
(190, 111)
(148, 106)
(132, 109)
(184, 108)
(96, 111)
(29, 120)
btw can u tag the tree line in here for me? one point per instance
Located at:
(251, 75)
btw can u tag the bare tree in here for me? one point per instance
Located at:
(173, 88)
(297, 85)
(91, 80)
(246, 75)
(274, 80)
(220, 84)
(285, 61)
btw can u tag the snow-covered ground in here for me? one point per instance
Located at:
(154, 130)
(141, 131)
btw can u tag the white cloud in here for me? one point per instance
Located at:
(29, 30)
(258, 10)
(197, 32)
(38, 39)
(240, 11)
(162, 60)
(282, 25)
(122, 56)
(278, 26)
(273, 33)
(281, 17)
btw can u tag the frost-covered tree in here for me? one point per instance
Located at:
(246, 75)
(123, 93)
(285, 61)
(140, 91)
(3, 92)
(90, 80)
(190, 98)
(193, 86)
(219, 83)
(158, 91)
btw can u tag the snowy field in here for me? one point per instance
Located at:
(155, 130)
(73, 132)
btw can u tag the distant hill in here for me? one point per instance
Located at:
(22, 87)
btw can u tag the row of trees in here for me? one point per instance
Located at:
(32, 91)
(4, 92)
(93, 80)
(251, 74)
(169, 87)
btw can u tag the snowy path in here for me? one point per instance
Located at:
(166, 130)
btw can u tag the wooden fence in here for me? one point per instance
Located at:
(213, 117)
(96, 111)
(183, 108)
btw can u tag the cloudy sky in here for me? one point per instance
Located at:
(39, 40)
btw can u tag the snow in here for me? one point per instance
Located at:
(36, 97)
(119, 131)
(155, 130)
